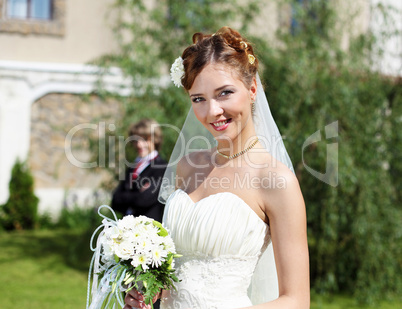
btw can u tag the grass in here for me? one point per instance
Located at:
(43, 269)
(48, 269)
(345, 301)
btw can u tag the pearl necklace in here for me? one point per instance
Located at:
(239, 153)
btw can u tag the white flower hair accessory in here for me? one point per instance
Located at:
(177, 72)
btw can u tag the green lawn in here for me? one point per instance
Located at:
(43, 269)
(49, 269)
(347, 302)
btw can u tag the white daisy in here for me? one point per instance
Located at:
(124, 250)
(144, 261)
(158, 255)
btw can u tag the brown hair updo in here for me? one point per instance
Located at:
(226, 47)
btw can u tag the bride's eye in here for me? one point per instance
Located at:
(226, 93)
(197, 99)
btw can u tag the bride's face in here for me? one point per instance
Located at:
(221, 101)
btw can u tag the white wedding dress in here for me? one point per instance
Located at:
(221, 239)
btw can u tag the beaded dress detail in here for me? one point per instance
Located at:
(221, 239)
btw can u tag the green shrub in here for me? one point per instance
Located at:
(45, 221)
(78, 218)
(20, 211)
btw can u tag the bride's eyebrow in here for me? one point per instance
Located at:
(223, 87)
(196, 95)
(216, 90)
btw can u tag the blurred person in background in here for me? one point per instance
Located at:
(137, 193)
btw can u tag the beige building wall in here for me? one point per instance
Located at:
(353, 19)
(84, 35)
(267, 20)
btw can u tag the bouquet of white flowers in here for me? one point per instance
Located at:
(133, 252)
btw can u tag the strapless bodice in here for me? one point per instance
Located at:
(221, 239)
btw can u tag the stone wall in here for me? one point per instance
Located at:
(52, 118)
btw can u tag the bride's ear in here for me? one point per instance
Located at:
(253, 89)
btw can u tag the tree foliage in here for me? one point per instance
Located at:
(354, 228)
(311, 81)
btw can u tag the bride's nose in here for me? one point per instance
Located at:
(215, 108)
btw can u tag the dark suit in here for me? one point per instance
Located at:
(128, 195)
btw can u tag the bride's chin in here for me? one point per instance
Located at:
(226, 135)
(224, 139)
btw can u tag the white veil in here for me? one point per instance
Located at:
(194, 136)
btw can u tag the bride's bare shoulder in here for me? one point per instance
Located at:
(278, 174)
(283, 190)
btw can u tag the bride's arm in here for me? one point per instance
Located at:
(287, 219)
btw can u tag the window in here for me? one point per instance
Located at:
(43, 17)
(29, 9)
(314, 10)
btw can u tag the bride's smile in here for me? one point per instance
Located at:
(221, 125)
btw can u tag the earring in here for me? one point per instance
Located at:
(253, 107)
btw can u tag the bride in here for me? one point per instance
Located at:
(234, 210)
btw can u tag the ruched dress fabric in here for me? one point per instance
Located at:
(221, 239)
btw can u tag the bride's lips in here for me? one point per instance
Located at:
(221, 125)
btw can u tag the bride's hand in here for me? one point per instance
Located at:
(135, 299)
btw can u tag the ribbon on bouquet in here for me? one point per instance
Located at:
(102, 293)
